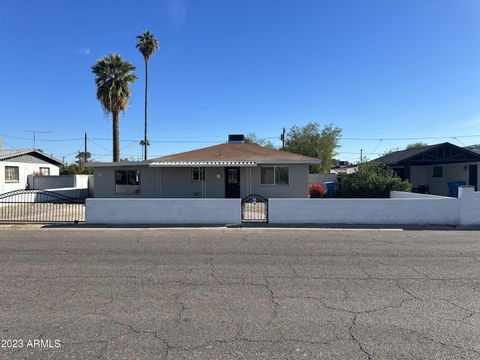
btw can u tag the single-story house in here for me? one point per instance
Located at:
(431, 168)
(231, 170)
(17, 164)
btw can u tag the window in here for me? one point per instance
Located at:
(45, 171)
(233, 176)
(277, 175)
(127, 182)
(11, 174)
(281, 175)
(437, 171)
(198, 174)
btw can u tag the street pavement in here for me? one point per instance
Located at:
(218, 293)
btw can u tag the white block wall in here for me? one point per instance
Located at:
(363, 211)
(408, 210)
(163, 211)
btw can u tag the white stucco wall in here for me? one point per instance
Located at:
(163, 211)
(404, 209)
(363, 211)
(470, 206)
(410, 195)
(24, 170)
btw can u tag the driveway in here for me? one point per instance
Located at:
(239, 294)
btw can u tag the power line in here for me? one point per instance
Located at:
(198, 139)
(461, 142)
(99, 145)
(376, 147)
(410, 138)
(35, 132)
(73, 139)
(15, 137)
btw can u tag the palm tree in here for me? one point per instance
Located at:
(147, 45)
(113, 77)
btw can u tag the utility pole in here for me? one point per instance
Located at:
(85, 149)
(361, 156)
(35, 132)
(282, 137)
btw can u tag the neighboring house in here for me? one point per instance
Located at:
(431, 168)
(17, 164)
(344, 168)
(231, 170)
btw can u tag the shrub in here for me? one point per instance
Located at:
(317, 190)
(372, 180)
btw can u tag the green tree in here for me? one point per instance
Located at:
(78, 167)
(147, 45)
(251, 138)
(113, 77)
(416, 145)
(311, 140)
(72, 169)
(372, 180)
(81, 157)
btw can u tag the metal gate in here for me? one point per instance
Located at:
(255, 209)
(40, 206)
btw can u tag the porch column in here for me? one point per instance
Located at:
(249, 181)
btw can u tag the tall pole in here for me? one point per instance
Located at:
(85, 149)
(146, 103)
(282, 137)
(361, 155)
(34, 132)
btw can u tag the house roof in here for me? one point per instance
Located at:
(228, 154)
(430, 154)
(236, 153)
(6, 154)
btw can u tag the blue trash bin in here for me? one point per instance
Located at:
(330, 187)
(453, 188)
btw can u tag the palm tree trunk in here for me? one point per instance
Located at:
(116, 140)
(146, 105)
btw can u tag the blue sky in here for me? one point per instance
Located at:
(378, 69)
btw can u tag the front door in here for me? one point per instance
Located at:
(473, 176)
(232, 182)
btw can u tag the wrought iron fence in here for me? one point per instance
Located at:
(40, 206)
(255, 209)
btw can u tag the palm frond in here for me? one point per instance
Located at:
(113, 77)
(147, 44)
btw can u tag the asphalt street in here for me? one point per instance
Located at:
(217, 293)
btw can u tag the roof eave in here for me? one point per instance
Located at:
(117, 164)
(304, 162)
(21, 153)
(203, 164)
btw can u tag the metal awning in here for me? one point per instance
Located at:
(203, 163)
